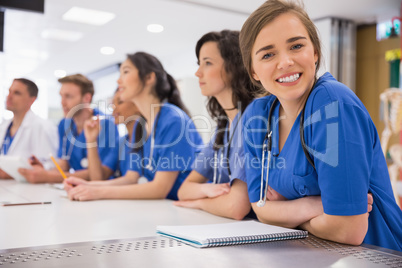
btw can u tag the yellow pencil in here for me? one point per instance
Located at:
(58, 167)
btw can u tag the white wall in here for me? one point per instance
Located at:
(196, 103)
(324, 30)
(338, 44)
(105, 88)
(2, 102)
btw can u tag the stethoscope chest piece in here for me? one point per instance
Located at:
(84, 162)
(260, 203)
(149, 167)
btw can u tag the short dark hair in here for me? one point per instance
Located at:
(80, 80)
(31, 86)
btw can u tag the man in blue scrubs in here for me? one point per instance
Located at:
(76, 95)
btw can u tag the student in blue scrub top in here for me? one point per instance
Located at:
(76, 95)
(281, 51)
(73, 145)
(165, 138)
(224, 80)
(124, 112)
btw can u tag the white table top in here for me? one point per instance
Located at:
(65, 221)
(31, 234)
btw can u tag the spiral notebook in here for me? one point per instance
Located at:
(225, 234)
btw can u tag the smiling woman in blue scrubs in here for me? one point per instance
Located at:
(166, 140)
(320, 140)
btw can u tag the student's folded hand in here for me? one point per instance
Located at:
(214, 190)
(370, 202)
(273, 195)
(188, 204)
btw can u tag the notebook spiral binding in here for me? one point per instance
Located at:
(225, 241)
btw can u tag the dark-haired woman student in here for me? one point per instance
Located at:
(217, 183)
(165, 138)
(124, 112)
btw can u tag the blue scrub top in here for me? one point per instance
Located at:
(347, 155)
(8, 139)
(125, 150)
(205, 161)
(72, 146)
(177, 143)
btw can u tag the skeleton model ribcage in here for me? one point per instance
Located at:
(392, 110)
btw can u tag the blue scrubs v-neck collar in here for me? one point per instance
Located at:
(275, 138)
(8, 139)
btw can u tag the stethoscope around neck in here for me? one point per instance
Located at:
(220, 159)
(151, 152)
(67, 155)
(215, 180)
(64, 154)
(267, 149)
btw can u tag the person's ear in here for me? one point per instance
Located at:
(32, 100)
(316, 58)
(150, 78)
(87, 98)
(255, 76)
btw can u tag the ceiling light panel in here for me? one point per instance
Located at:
(88, 16)
(59, 73)
(107, 50)
(155, 28)
(62, 35)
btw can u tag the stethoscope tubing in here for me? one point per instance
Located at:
(267, 146)
(151, 153)
(64, 154)
(229, 139)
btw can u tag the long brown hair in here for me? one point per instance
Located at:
(165, 87)
(243, 91)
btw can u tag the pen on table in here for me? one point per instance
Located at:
(24, 204)
(58, 167)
